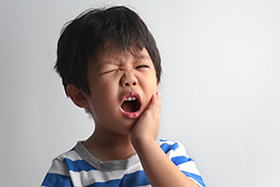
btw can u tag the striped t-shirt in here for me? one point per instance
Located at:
(78, 167)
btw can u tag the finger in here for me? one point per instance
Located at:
(159, 97)
(155, 101)
(154, 104)
(154, 107)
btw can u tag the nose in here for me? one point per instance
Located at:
(128, 79)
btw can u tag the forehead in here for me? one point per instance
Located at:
(114, 55)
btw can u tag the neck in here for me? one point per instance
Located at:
(109, 146)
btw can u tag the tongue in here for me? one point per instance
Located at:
(130, 106)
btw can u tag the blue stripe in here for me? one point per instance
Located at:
(180, 160)
(166, 147)
(138, 178)
(197, 178)
(78, 165)
(56, 180)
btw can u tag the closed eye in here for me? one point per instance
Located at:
(142, 66)
(111, 71)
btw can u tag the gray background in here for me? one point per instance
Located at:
(220, 86)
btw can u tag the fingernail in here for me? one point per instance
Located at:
(158, 94)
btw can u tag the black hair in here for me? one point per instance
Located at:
(94, 30)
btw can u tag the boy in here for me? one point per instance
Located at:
(110, 65)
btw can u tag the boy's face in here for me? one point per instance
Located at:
(121, 86)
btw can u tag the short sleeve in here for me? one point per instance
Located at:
(57, 176)
(177, 153)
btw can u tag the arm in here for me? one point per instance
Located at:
(160, 170)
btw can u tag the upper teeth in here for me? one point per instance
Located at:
(130, 99)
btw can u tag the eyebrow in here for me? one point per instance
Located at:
(111, 62)
(117, 62)
(138, 56)
(102, 62)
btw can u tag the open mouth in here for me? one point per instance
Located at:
(130, 104)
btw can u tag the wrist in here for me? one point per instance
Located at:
(143, 142)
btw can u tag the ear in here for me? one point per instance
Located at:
(77, 96)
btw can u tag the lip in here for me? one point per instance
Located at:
(131, 115)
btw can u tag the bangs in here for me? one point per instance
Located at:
(123, 30)
(135, 47)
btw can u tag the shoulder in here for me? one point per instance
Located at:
(58, 174)
(177, 153)
(171, 146)
(61, 162)
(71, 155)
(62, 165)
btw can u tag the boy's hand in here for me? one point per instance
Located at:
(160, 170)
(147, 126)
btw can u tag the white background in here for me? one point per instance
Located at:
(220, 86)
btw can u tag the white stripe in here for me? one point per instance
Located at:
(189, 167)
(59, 167)
(85, 178)
(196, 182)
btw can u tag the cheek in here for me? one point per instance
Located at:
(153, 84)
(150, 89)
(153, 88)
(107, 85)
(100, 92)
